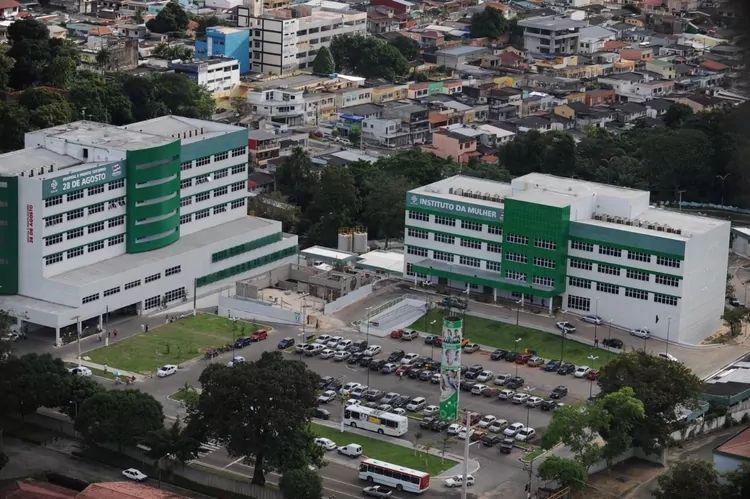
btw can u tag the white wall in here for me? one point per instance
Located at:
(257, 310)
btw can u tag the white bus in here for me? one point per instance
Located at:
(385, 423)
(390, 475)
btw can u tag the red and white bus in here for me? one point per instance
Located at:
(398, 477)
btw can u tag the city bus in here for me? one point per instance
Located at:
(390, 475)
(385, 423)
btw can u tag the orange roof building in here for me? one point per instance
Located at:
(125, 490)
(733, 453)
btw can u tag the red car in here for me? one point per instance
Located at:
(260, 334)
(438, 341)
(523, 358)
(593, 374)
(401, 370)
(397, 333)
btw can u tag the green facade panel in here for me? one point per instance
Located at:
(147, 201)
(9, 235)
(624, 239)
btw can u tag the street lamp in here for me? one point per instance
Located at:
(77, 318)
(367, 339)
(592, 358)
(432, 343)
(466, 456)
(669, 324)
(596, 322)
(528, 389)
(517, 341)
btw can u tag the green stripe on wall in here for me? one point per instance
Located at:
(624, 239)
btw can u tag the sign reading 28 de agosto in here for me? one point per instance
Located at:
(80, 179)
(455, 208)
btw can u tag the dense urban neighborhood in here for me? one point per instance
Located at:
(317, 249)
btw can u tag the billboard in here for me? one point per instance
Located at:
(76, 180)
(455, 208)
(450, 367)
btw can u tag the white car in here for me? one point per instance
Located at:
(512, 430)
(487, 420)
(534, 401)
(358, 392)
(326, 396)
(409, 358)
(323, 339)
(80, 371)
(416, 404)
(498, 425)
(313, 349)
(454, 429)
(373, 350)
(668, 356)
(430, 410)
(351, 450)
(485, 376)
(166, 370)
(344, 344)
(641, 333)
(399, 410)
(520, 398)
(326, 443)
(353, 402)
(334, 341)
(592, 319)
(500, 379)
(327, 353)
(134, 474)
(347, 388)
(478, 389)
(236, 361)
(506, 394)
(525, 434)
(458, 480)
(565, 327)
(462, 434)
(581, 371)
(341, 355)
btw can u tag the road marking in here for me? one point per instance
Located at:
(234, 462)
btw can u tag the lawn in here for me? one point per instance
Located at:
(385, 451)
(172, 343)
(502, 335)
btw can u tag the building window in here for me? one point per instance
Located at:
(606, 287)
(240, 151)
(220, 191)
(220, 208)
(517, 239)
(96, 208)
(666, 299)
(636, 293)
(72, 234)
(115, 240)
(515, 276)
(203, 161)
(221, 173)
(186, 201)
(467, 260)
(471, 225)
(544, 281)
(186, 182)
(95, 246)
(49, 241)
(420, 234)
(114, 222)
(414, 250)
(238, 169)
(221, 156)
(607, 269)
(638, 256)
(152, 302)
(50, 259)
(443, 220)
(201, 179)
(635, 274)
(72, 253)
(579, 303)
(238, 186)
(112, 291)
(173, 270)
(152, 278)
(96, 227)
(90, 298)
(72, 215)
(97, 189)
(186, 218)
(238, 203)
(468, 243)
(441, 255)
(410, 272)
(581, 246)
(418, 215)
(202, 214)
(493, 266)
(667, 280)
(545, 244)
(668, 262)
(175, 294)
(444, 238)
(133, 284)
(579, 282)
(74, 195)
(186, 165)
(53, 201)
(580, 264)
(544, 262)
(493, 229)
(117, 184)
(610, 251)
(202, 196)
(516, 257)
(53, 220)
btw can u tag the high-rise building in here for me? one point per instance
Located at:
(96, 218)
(224, 41)
(584, 247)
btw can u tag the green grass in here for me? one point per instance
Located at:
(385, 451)
(188, 395)
(502, 335)
(530, 456)
(171, 343)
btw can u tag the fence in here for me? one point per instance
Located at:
(349, 298)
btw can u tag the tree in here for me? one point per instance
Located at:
(409, 48)
(576, 426)
(323, 63)
(551, 152)
(120, 417)
(14, 122)
(276, 206)
(301, 483)
(489, 23)
(47, 107)
(677, 114)
(690, 478)
(294, 177)
(368, 56)
(733, 318)
(177, 94)
(260, 409)
(104, 58)
(419, 167)
(32, 381)
(567, 472)
(171, 52)
(625, 414)
(384, 205)
(29, 47)
(205, 22)
(170, 19)
(355, 136)
(660, 384)
(79, 389)
(335, 204)
(737, 483)
(6, 66)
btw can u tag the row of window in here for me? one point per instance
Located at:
(450, 221)
(584, 304)
(80, 250)
(244, 267)
(638, 256)
(112, 291)
(206, 212)
(441, 237)
(90, 191)
(245, 247)
(215, 175)
(79, 231)
(639, 275)
(81, 212)
(187, 165)
(219, 191)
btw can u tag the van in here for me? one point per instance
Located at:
(351, 450)
(416, 404)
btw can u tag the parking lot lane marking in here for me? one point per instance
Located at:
(234, 462)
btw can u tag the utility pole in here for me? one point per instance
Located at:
(195, 296)
(78, 335)
(466, 456)
(669, 324)
(679, 194)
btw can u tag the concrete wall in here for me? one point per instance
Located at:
(257, 310)
(346, 300)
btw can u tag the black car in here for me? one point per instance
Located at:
(498, 354)
(429, 339)
(506, 446)
(491, 439)
(425, 375)
(285, 343)
(566, 368)
(514, 382)
(355, 358)
(396, 356)
(242, 341)
(400, 401)
(473, 371)
(413, 372)
(612, 342)
(373, 394)
(548, 405)
(377, 365)
(321, 413)
(365, 361)
(335, 384)
(324, 381)
(552, 366)
(467, 385)
(511, 356)
(439, 425)
(455, 302)
(361, 345)
(426, 423)
(559, 392)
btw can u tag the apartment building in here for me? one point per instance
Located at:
(584, 247)
(637, 87)
(551, 34)
(286, 39)
(96, 218)
(218, 75)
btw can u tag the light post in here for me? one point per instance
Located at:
(517, 341)
(367, 339)
(432, 343)
(528, 389)
(592, 358)
(466, 456)
(77, 318)
(723, 179)
(669, 324)
(596, 322)
(610, 333)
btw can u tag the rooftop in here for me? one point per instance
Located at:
(104, 136)
(34, 158)
(461, 50)
(171, 126)
(737, 446)
(388, 261)
(328, 254)
(552, 22)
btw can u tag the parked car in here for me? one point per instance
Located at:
(439, 424)
(259, 335)
(501, 378)
(478, 389)
(485, 376)
(581, 371)
(80, 371)
(487, 420)
(377, 491)
(323, 338)
(314, 349)
(425, 375)
(373, 395)
(511, 356)
(458, 480)
(506, 446)
(498, 354)
(358, 392)
(514, 382)
(409, 335)
(552, 366)
(520, 398)
(321, 413)
(463, 433)
(344, 345)
(548, 405)
(490, 392)
(349, 387)
(668, 356)
(641, 333)
(566, 368)
(385, 407)
(373, 350)
(326, 396)
(735, 302)
(242, 342)
(396, 333)
(490, 439)
(535, 361)
(429, 339)
(497, 426)
(170, 369)
(365, 361)
(333, 341)
(401, 370)
(559, 392)
(593, 319)
(389, 397)
(327, 353)
(467, 385)
(435, 379)
(409, 358)
(513, 429)
(565, 327)
(377, 365)
(325, 443)
(285, 343)
(525, 434)
(426, 422)
(612, 342)
(473, 371)
(430, 410)
(388, 368)
(454, 428)
(534, 401)
(437, 341)
(416, 404)
(350, 450)
(523, 358)
(341, 355)
(134, 474)
(593, 374)
(471, 348)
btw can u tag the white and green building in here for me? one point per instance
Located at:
(96, 218)
(584, 247)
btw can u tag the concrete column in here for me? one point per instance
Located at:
(58, 341)
(139, 308)
(494, 295)
(550, 305)
(101, 322)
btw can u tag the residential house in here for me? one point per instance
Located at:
(733, 453)
(414, 118)
(278, 105)
(551, 34)
(218, 75)
(9, 9)
(225, 41)
(664, 67)
(591, 39)
(637, 87)
(599, 96)
(388, 92)
(627, 112)
(385, 132)
(258, 183)
(450, 144)
(458, 56)
(263, 147)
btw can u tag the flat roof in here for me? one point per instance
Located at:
(104, 135)
(551, 22)
(170, 125)
(90, 274)
(442, 188)
(328, 253)
(389, 261)
(33, 158)
(461, 50)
